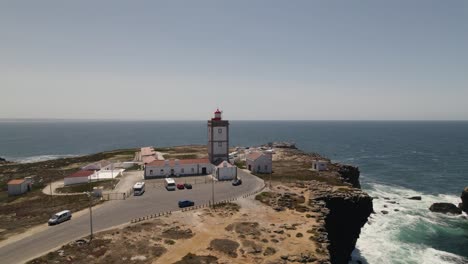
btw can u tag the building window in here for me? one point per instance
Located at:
(220, 130)
(258, 168)
(162, 171)
(151, 172)
(193, 170)
(220, 144)
(266, 167)
(182, 170)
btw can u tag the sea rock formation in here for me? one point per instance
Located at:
(349, 174)
(347, 211)
(464, 197)
(418, 198)
(446, 208)
(2, 160)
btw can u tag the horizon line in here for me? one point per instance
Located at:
(242, 120)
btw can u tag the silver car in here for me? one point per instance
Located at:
(60, 217)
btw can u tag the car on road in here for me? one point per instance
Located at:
(237, 182)
(180, 186)
(188, 186)
(60, 217)
(186, 203)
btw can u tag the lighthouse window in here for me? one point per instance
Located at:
(220, 144)
(220, 130)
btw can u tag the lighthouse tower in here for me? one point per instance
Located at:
(218, 138)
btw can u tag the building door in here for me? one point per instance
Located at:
(172, 172)
(203, 170)
(250, 167)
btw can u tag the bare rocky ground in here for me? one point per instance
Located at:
(247, 231)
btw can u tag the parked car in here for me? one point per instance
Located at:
(180, 186)
(186, 203)
(237, 182)
(188, 186)
(60, 217)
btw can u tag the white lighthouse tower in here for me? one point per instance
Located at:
(218, 138)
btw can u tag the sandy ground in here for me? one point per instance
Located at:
(245, 231)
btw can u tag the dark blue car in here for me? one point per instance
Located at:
(186, 203)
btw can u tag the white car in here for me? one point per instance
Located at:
(60, 217)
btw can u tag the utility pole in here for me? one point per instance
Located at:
(270, 179)
(90, 216)
(212, 191)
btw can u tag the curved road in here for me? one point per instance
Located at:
(114, 213)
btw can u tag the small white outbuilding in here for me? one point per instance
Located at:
(81, 176)
(319, 165)
(18, 186)
(258, 162)
(225, 171)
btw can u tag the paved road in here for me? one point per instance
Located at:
(115, 213)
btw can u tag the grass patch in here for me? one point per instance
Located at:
(18, 213)
(36, 208)
(240, 164)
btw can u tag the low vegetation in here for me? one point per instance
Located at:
(87, 187)
(18, 213)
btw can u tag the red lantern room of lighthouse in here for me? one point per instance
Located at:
(217, 115)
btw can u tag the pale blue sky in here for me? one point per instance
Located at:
(179, 60)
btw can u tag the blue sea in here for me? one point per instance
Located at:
(397, 159)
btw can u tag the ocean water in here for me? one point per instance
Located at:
(397, 160)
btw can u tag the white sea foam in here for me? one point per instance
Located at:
(380, 240)
(38, 158)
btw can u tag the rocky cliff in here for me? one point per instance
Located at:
(347, 212)
(349, 174)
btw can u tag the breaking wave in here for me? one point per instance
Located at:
(39, 158)
(405, 231)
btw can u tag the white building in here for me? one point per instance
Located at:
(81, 176)
(319, 165)
(225, 171)
(18, 186)
(218, 139)
(258, 162)
(100, 165)
(166, 168)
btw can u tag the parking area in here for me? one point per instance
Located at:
(202, 192)
(193, 180)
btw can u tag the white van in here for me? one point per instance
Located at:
(170, 184)
(60, 217)
(138, 188)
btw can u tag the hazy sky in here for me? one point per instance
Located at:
(165, 60)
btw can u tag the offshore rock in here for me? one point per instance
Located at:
(464, 198)
(446, 208)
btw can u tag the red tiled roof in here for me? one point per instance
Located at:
(228, 165)
(16, 181)
(148, 159)
(181, 162)
(147, 151)
(81, 173)
(254, 155)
